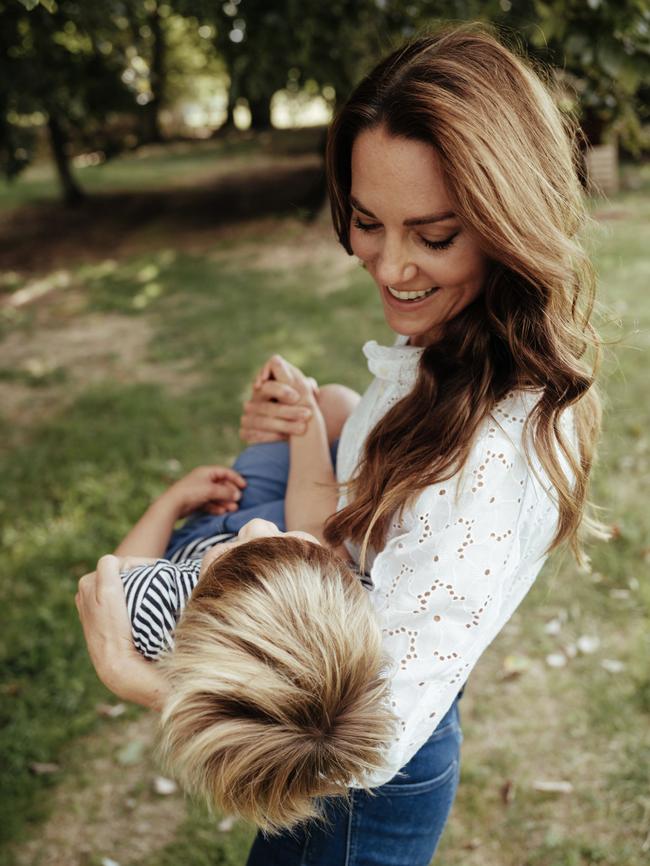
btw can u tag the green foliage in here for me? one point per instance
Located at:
(603, 49)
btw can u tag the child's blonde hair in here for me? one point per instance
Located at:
(278, 688)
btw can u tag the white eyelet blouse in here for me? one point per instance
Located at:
(458, 563)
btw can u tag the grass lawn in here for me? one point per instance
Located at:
(181, 164)
(128, 371)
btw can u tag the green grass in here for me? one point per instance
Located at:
(157, 166)
(74, 482)
(85, 475)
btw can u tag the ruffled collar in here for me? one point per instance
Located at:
(396, 363)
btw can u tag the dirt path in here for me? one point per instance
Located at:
(66, 348)
(106, 806)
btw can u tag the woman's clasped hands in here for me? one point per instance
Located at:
(282, 402)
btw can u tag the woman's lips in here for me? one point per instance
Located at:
(407, 304)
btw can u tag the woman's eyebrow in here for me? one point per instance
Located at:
(416, 221)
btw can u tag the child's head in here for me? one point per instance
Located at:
(278, 693)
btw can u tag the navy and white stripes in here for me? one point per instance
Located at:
(156, 594)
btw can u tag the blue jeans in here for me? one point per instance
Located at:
(266, 470)
(399, 824)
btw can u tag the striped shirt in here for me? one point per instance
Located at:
(157, 593)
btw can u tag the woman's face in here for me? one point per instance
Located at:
(256, 528)
(427, 266)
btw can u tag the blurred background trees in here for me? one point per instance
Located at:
(97, 78)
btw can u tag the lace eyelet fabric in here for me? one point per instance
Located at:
(458, 561)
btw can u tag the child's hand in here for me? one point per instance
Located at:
(278, 369)
(215, 489)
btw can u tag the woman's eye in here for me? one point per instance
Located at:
(365, 227)
(440, 245)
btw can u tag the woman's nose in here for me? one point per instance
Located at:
(258, 528)
(393, 266)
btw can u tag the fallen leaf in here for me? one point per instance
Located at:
(164, 786)
(613, 666)
(507, 792)
(12, 688)
(43, 769)
(111, 711)
(553, 787)
(588, 644)
(514, 665)
(553, 626)
(556, 660)
(226, 824)
(471, 845)
(131, 753)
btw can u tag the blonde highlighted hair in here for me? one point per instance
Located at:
(278, 689)
(509, 160)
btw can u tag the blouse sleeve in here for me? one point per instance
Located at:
(455, 567)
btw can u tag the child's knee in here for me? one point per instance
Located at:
(336, 402)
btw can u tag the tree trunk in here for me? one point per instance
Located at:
(260, 113)
(152, 130)
(72, 193)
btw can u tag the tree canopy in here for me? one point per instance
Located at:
(78, 67)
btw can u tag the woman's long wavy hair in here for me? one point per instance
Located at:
(510, 160)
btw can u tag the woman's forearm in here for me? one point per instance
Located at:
(311, 488)
(150, 535)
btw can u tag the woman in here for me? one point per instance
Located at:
(452, 179)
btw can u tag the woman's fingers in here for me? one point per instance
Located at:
(273, 390)
(254, 409)
(271, 424)
(108, 583)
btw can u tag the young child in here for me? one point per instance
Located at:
(276, 689)
(218, 503)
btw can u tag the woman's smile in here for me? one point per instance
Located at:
(409, 297)
(427, 266)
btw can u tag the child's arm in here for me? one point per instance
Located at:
(311, 488)
(214, 488)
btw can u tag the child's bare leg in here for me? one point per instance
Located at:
(336, 402)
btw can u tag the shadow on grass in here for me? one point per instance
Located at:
(39, 236)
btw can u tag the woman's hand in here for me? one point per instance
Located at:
(102, 610)
(282, 403)
(215, 489)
